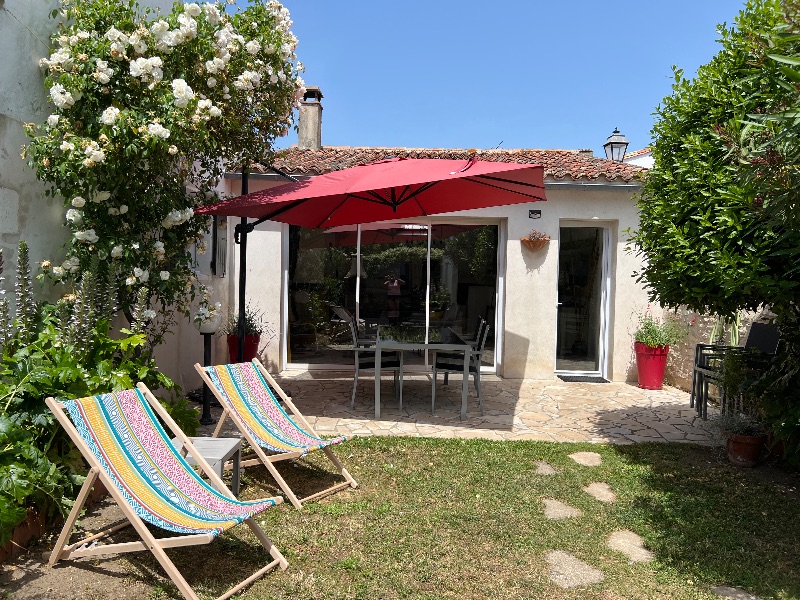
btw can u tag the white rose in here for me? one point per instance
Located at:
(158, 130)
(182, 92)
(164, 275)
(172, 149)
(116, 252)
(214, 111)
(88, 235)
(58, 272)
(78, 202)
(66, 146)
(52, 120)
(74, 216)
(211, 82)
(109, 115)
(212, 13)
(101, 196)
(193, 10)
(130, 280)
(253, 47)
(123, 209)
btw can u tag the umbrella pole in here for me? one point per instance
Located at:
(240, 237)
(242, 266)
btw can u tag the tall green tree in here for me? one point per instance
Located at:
(707, 232)
(720, 209)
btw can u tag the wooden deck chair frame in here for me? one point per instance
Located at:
(269, 460)
(88, 546)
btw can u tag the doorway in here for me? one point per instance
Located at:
(583, 274)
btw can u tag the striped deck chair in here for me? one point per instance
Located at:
(128, 450)
(245, 391)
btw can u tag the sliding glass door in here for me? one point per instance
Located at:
(424, 280)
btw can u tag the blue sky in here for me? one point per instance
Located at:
(514, 73)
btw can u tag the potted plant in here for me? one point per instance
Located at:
(208, 316)
(253, 328)
(440, 300)
(745, 438)
(745, 435)
(651, 342)
(536, 240)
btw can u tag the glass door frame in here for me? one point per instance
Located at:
(605, 300)
(502, 242)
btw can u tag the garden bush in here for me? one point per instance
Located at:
(65, 350)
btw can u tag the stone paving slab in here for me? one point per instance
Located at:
(568, 571)
(514, 409)
(600, 491)
(631, 545)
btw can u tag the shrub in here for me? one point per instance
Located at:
(64, 350)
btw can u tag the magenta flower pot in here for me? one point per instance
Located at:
(650, 364)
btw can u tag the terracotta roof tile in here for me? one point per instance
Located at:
(572, 165)
(636, 153)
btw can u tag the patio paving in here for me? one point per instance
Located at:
(514, 409)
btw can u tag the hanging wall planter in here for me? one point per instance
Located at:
(536, 240)
(534, 245)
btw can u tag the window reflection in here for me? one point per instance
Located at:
(394, 291)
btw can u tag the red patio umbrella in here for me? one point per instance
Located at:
(397, 188)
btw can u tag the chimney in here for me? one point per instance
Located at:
(309, 126)
(586, 152)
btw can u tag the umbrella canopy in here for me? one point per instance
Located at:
(397, 188)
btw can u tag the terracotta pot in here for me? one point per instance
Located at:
(745, 450)
(534, 245)
(32, 527)
(650, 364)
(250, 347)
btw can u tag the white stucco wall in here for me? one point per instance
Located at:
(530, 283)
(25, 213)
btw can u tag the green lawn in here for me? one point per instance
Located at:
(464, 519)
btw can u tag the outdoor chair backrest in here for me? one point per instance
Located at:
(481, 342)
(124, 435)
(342, 313)
(763, 337)
(245, 392)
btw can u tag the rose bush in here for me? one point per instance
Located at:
(150, 110)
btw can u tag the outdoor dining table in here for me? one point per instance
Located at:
(386, 344)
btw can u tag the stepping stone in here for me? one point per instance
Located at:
(555, 510)
(725, 591)
(601, 492)
(631, 545)
(567, 571)
(587, 459)
(543, 468)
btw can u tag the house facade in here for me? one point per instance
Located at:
(569, 308)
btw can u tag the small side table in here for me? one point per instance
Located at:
(217, 451)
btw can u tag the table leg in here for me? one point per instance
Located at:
(378, 381)
(465, 385)
(237, 460)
